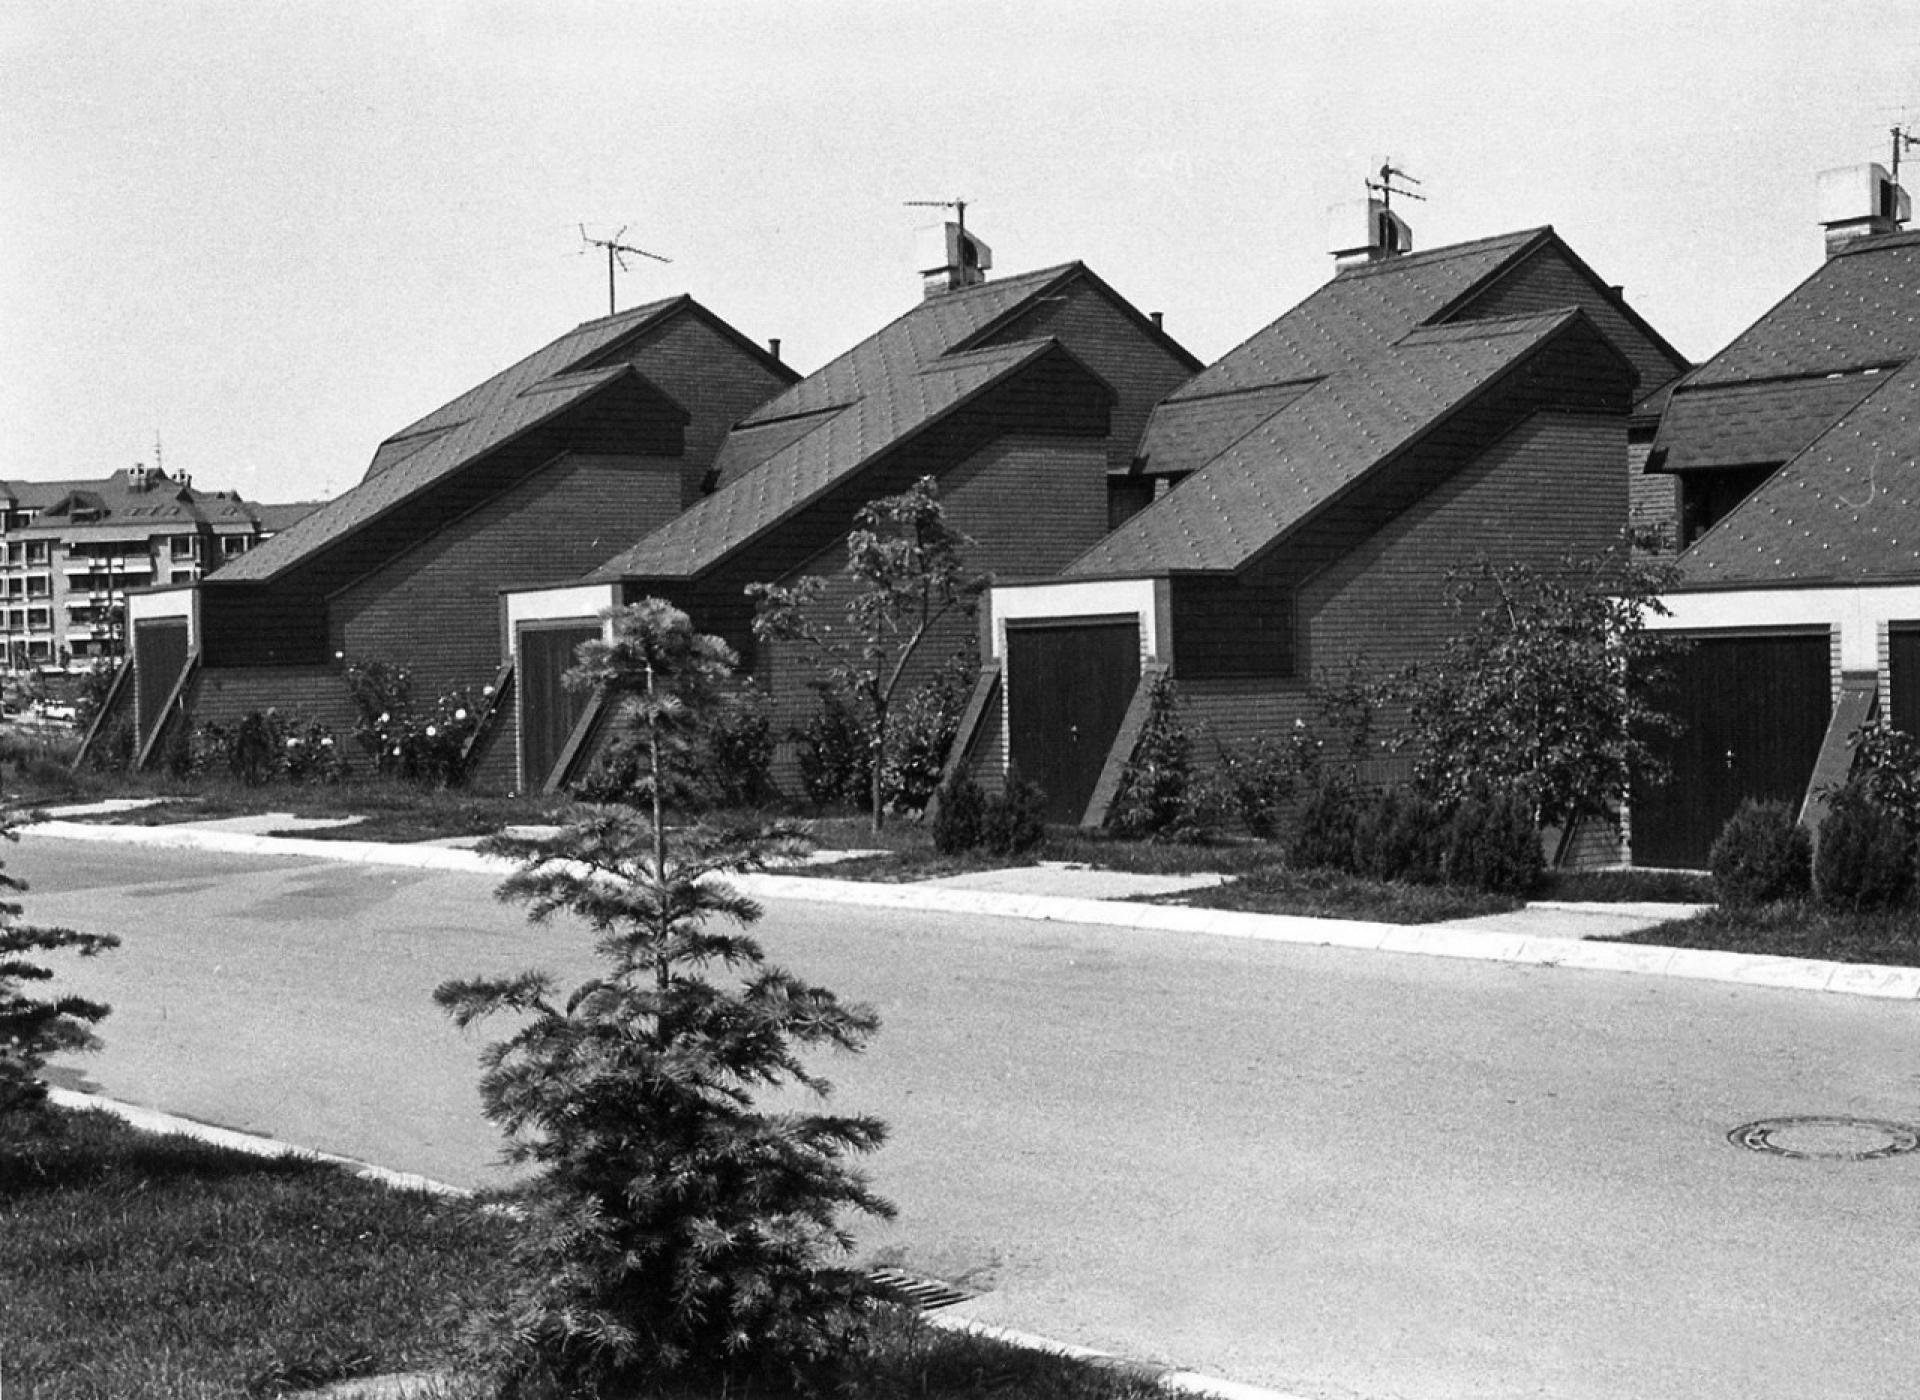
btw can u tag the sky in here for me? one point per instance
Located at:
(266, 236)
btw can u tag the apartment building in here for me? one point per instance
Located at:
(72, 549)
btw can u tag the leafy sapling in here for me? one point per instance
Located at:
(906, 564)
(675, 1230)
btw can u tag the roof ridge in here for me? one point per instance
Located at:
(1426, 256)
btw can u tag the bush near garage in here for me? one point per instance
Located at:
(1762, 854)
(1864, 860)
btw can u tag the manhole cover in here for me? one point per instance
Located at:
(1828, 1139)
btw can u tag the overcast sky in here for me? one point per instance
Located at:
(272, 234)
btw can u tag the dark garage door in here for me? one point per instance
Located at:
(159, 656)
(548, 710)
(1754, 711)
(1068, 688)
(1903, 664)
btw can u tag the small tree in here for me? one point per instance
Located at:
(31, 1028)
(673, 1229)
(906, 565)
(1545, 689)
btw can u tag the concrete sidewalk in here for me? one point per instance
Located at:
(1546, 934)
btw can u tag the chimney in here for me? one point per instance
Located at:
(951, 258)
(1859, 201)
(1156, 320)
(1367, 231)
(773, 346)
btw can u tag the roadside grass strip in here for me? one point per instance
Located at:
(235, 1266)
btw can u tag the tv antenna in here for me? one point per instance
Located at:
(616, 257)
(1903, 140)
(959, 207)
(1386, 189)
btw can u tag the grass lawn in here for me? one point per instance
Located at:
(144, 1265)
(1796, 929)
(159, 1267)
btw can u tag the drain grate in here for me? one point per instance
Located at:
(1817, 1138)
(925, 1294)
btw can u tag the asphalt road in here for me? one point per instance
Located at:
(1338, 1174)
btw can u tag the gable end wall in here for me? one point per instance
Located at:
(436, 608)
(1550, 487)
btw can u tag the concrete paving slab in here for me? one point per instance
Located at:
(1084, 881)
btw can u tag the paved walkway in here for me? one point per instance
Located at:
(1543, 934)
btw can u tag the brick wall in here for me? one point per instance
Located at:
(1030, 504)
(710, 375)
(1141, 369)
(436, 609)
(1546, 489)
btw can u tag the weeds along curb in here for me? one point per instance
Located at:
(1428, 940)
(153, 1121)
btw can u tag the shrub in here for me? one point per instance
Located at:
(1864, 858)
(254, 753)
(835, 756)
(922, 731)
(31, 1028)
(1256, 785)
(424, 748)
(1399, 835)
(1156, 797)
(1762, 854)
(1886, 764)
(1015, 820)
(1324, 827)
(1491, 843)
(959, 821)
(738, 752)
(311, 754)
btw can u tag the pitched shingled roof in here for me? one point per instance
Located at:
(1847, 510)
(520, 397)
(1297, 461)
(922, 366)
(1828, 382)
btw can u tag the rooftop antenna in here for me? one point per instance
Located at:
(616, 251)
(1903, 140)
(159, 464)
(1386, 189)
(959, 207)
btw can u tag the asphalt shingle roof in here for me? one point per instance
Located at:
(899, 392)
(922, 365)
(1847, 510)
(1282, 472)
(459, 432)
(1747, 424)
(1798, 386)
(1860, 308)
(877, 370)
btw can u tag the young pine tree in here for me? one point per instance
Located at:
(674, 1230)
(32, 1028)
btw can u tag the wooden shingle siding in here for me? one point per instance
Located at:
(435, 607)
(1141, 370)
(1546, 281)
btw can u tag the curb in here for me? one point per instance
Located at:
(1428, 940)
(364, 1388)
